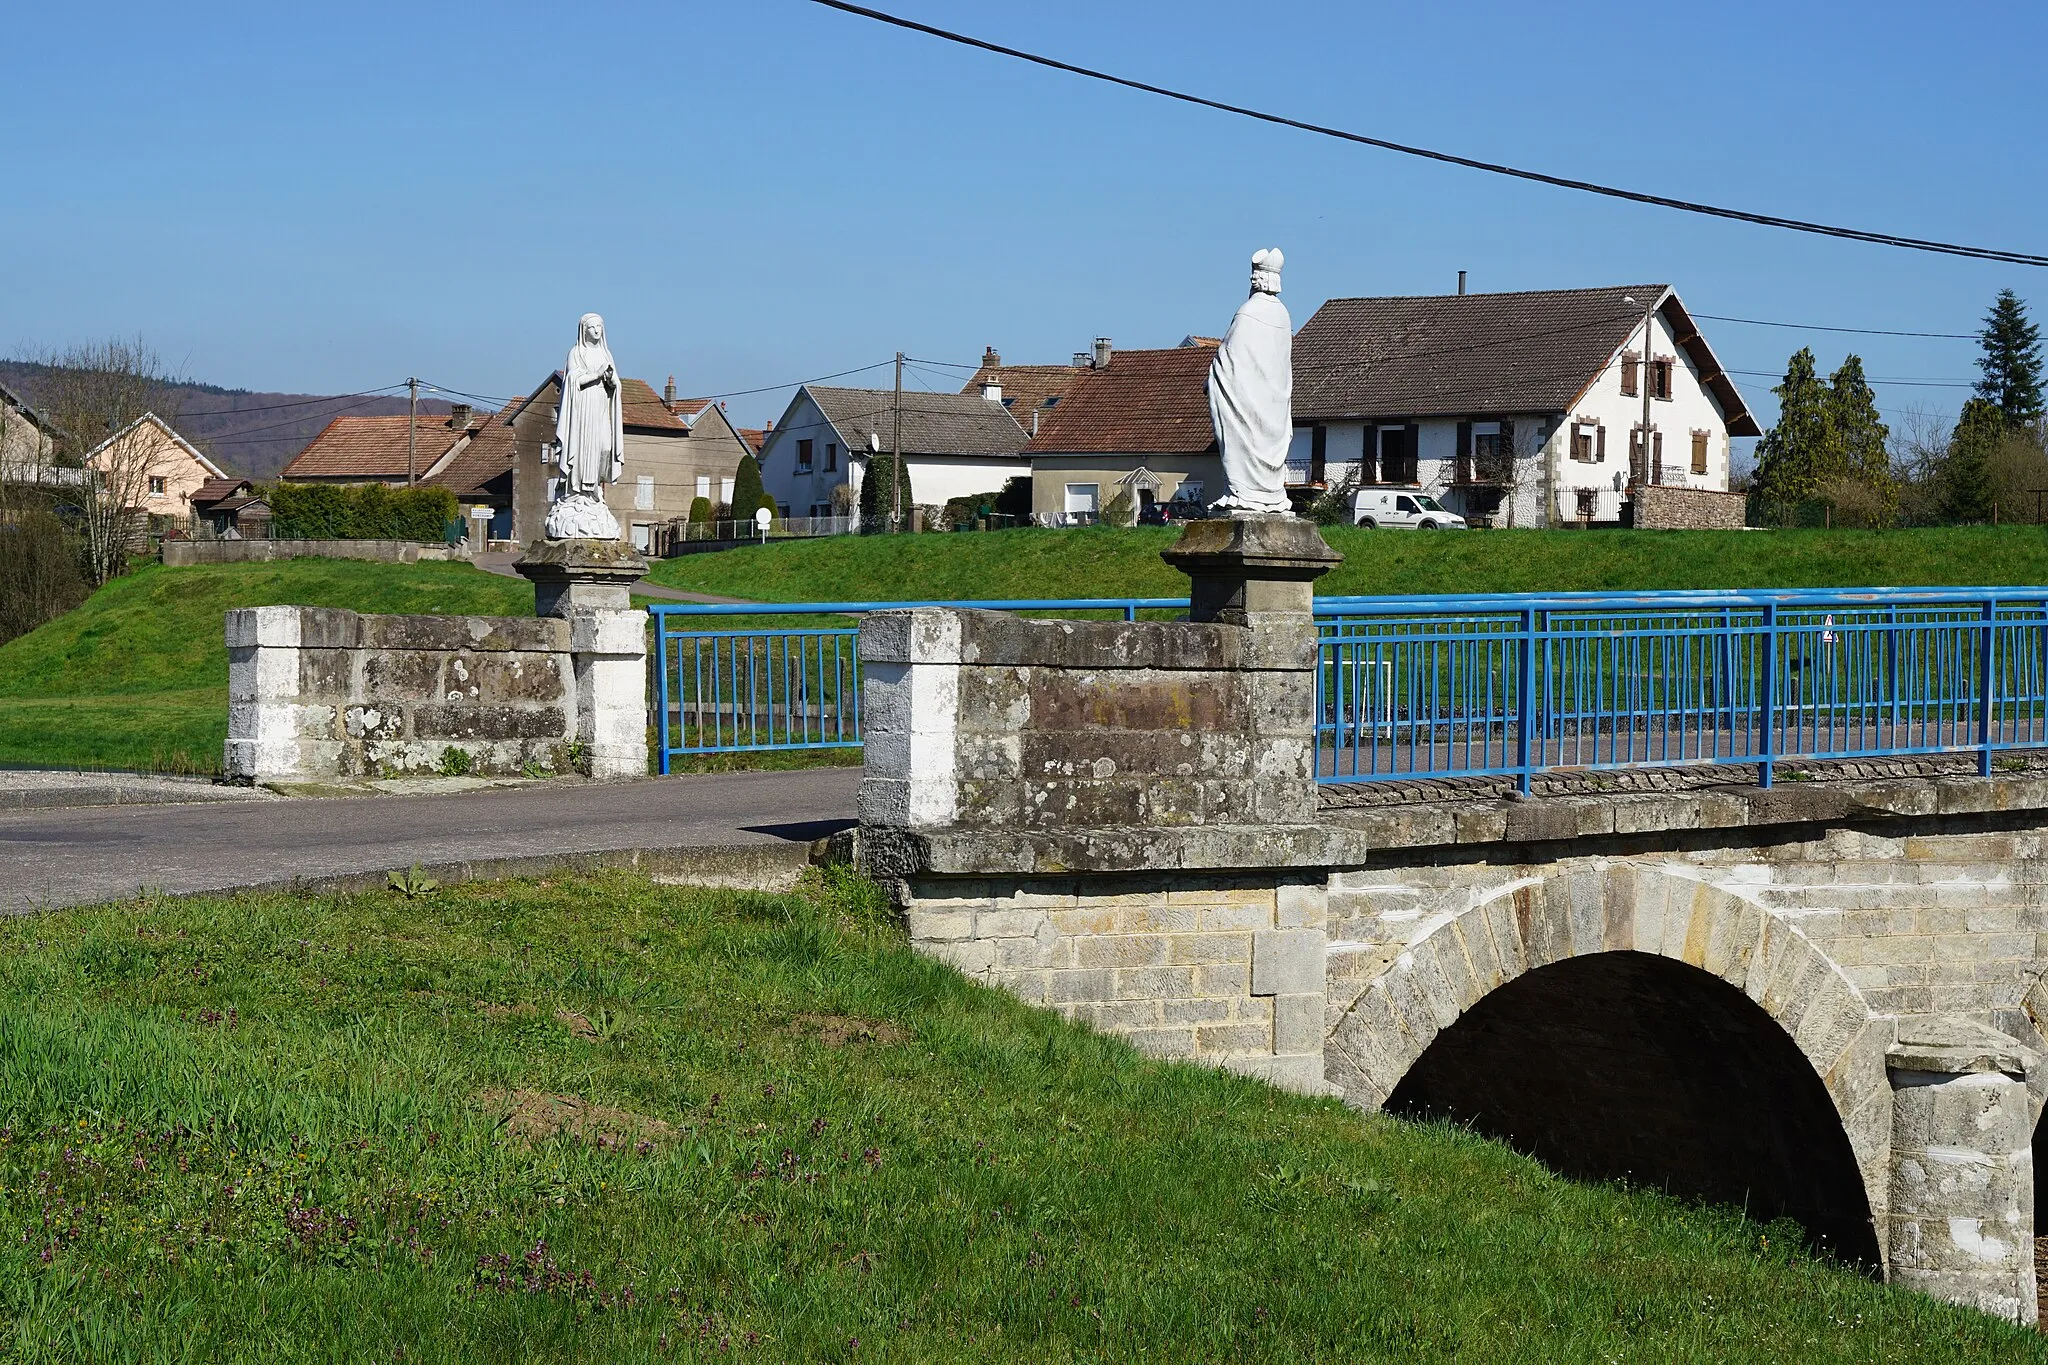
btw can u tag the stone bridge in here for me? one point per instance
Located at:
(1822, 1001)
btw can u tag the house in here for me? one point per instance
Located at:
(150, 468)
(1129, 420)
(466, 452)
(25, 441)
(677, 450)
(1523, 407)
(955, 445)
(229, 507)
(1030, 392)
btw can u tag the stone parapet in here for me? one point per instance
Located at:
(317, 692)
(1666, 507)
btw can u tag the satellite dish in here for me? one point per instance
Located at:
(874, 443)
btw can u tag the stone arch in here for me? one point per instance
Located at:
(1460, 957)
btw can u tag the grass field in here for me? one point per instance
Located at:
(137, 677)
(605, 1120)
(1105, 563)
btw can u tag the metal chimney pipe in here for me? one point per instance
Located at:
(1461, 282)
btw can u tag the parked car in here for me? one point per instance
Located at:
(1397, 509)
(1170, 513)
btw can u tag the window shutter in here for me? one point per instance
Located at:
(1600, 444)
(1628, 376)
(1463, 472)
(1504, 452)
(1656, 457)
(1318, 452)
(1369, 455)
(1699, 452)
(1413, 454)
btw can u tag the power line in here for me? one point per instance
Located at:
(296, 403)
(797, 383)
(1859, 331)
(1492, 168)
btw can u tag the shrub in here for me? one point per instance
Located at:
(309, 511)
(1015, 499)
(40, 577)
(1120, 510)
(700, 512)
(747, 493)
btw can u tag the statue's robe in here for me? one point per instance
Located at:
(590, 423)
(1251, 403)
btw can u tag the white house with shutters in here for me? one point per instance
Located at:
(955, 445)
(1525, 408)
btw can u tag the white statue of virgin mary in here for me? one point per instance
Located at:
(590, 439)
(1251, 395)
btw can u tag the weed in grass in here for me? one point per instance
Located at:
(411, 884)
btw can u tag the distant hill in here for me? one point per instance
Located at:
(252, 434)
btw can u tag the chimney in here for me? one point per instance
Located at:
(992, 390)
(1082, 360)
(1461, 281)
(668, 390)
(1102, 352)
(991, 357)
(458, 416)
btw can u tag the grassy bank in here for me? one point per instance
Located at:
(607, 1120)
(1101, 563)
(137, 677)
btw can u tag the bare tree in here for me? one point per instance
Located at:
(95, 397)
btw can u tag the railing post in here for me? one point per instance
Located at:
(1525, 701)
(1987, 687)
(1769, 742)
(661, 689)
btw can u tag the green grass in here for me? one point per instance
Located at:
(1103, 563)
(137, 677)
(272, 1129)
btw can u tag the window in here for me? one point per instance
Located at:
(1397, 455)
(157, 485)
(1652, 467)
(1190, 490)
(725, 491)
(1629, 363)
(1660, 379)
(643, 493)
(1699, 452)
(1082, 497)
(704, 487)
(1589, 504)
(643, 537)
(1589, 442)
(831, 456)
(1405, 505)
(803, 457)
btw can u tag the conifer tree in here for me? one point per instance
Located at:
(875, 488)
(1865, 439)
(1803, 451)
(2011, 361)
(1966, 469)
(747, 493)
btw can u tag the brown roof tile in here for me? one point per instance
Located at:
(213, 490)
(372, 448)
(1143, 402)
(753, 436)
(1030, 392)
(488, 456)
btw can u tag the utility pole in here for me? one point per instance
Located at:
(412, 428)
(1643, 474)
(896, 448)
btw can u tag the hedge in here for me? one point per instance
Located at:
(367, 511)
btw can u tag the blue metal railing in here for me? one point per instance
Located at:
(1498, 684)
(760, 687)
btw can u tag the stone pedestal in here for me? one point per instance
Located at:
(1959, 1221)
(1244, 568)
(581, 575)
(589, 583)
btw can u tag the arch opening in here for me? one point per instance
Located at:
(1630, 1066)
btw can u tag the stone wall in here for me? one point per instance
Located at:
(1661, 507)
(184, 553)
(317, 692)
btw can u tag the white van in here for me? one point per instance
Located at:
(1402, 509)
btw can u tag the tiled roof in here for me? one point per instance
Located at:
(690, 407)
(1460, 354)
(213, 490)
(642, 407)
(1027, 389)
(932, 423)
(372, 448)
(1142, 402)
(755, 437)
(488, 456)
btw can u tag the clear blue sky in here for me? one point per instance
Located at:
(330, 198)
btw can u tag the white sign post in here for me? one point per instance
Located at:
(763, 518)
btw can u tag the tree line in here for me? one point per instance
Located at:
(1831, 457)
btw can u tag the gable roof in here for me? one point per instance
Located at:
(1440, 355)
(486, 456)
(20, 407)
(163, 428)
(214, 490)
(1142, 402)
(1027, 389)
(932, 423)
(640, 407)
(375, 448)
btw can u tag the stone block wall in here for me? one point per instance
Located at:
(317, 692)
(1224, 970)
(183, 553)
(1659, 507)
(980, 719)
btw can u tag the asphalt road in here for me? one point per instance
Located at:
(75, 857)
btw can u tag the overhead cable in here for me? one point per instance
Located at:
(1981, 253)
